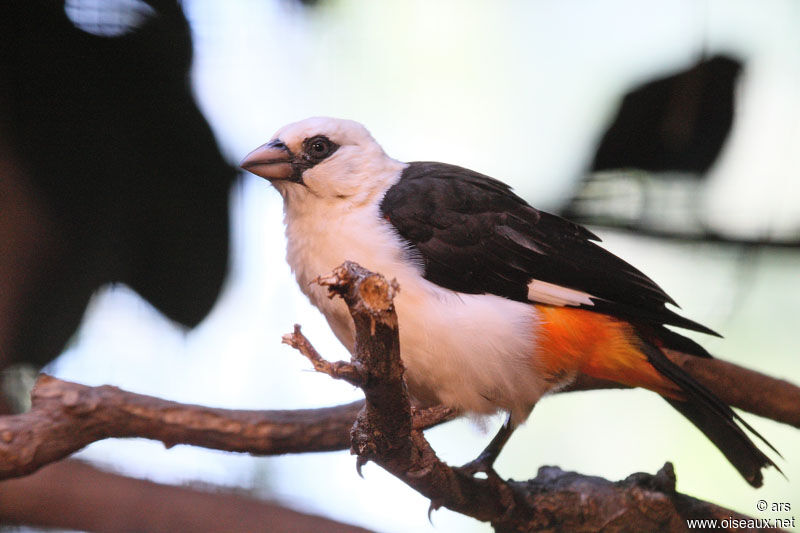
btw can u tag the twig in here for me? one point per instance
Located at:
(337, 370)
(703, 235)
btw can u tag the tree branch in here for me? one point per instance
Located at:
(554, 500)
(66, 416)
(83, 498)
(701, 235)
(772, 398)
(739, 387)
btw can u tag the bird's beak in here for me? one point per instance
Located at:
(272, 161)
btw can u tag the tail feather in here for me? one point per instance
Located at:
(734, 443)
(715, 419)
(605, 347)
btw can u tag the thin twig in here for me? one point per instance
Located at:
(338, 370)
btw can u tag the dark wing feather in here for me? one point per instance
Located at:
(476, 236)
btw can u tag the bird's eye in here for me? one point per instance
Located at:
(320, 147)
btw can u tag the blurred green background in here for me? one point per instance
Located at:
(521, 91)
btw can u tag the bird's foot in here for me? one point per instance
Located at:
(483, 464)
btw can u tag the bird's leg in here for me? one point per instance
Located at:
(485, 461)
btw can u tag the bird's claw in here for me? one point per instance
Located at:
(435, 505)
(360, 462)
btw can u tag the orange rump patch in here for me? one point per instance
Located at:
(576, 340)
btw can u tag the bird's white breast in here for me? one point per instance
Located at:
(471, 352)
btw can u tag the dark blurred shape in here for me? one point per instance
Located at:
(309, 3)
(119, 166)
(676, 123)
(648, 170)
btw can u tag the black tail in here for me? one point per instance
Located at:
(715, 419)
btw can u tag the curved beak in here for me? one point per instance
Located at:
(272, 161)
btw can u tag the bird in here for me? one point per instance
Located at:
(499, 303)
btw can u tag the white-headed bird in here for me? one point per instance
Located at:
(499, 303)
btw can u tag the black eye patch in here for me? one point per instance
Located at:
(317, 148)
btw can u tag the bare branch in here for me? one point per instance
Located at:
(700, 235)
(66, 416)
(746, 389)
(83, 498)
(554, 500)
(740, 387)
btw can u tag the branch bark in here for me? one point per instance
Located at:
(554, 500)
(76, 496)
(66, 416)
(736, 385)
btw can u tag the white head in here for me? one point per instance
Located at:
(328, 159)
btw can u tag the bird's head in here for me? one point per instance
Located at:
(331, 159)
